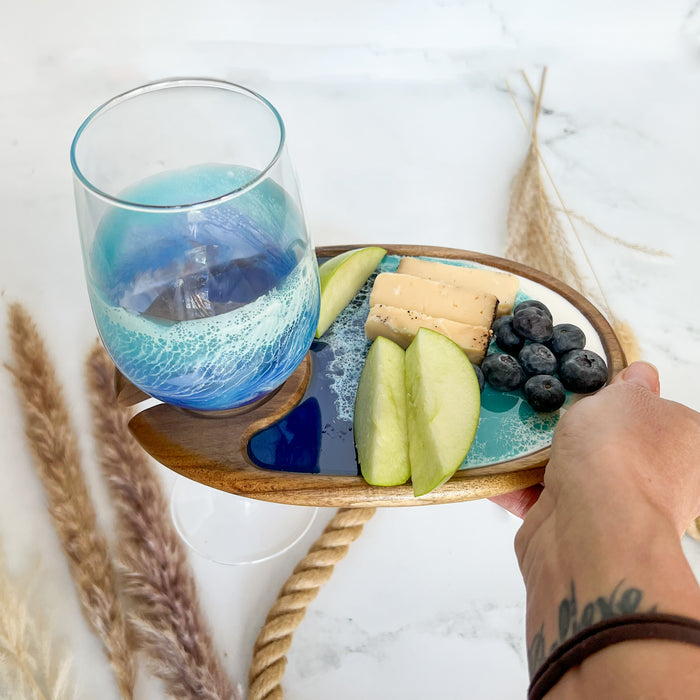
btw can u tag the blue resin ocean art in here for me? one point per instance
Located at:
(316, 436)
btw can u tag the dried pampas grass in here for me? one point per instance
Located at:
(536, 236)
(158, 583)
(694, 530)
(57, 459)
(33, 665)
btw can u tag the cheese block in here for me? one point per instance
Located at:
(504, 285)
(401, 325)
(434, 298)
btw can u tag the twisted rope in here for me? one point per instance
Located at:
(269, 654)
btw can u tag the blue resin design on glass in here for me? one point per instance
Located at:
(508, 427)
(206, 308)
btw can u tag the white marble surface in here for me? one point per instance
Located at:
(402, 131)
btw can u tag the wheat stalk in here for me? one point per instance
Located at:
(159, 584)
(630, 245)
(535, 234)
(32, 664)
(57, 459)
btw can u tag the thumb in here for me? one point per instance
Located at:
(643, 374)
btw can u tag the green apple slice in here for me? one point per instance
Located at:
(341, 278)
(442, 409)
(379, 422)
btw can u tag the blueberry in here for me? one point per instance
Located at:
(502, 372)
(506, 337)
(535, 358)
(582, 371)
(479, 376)
(499, 322)
(565, 337)
(530, 303)
(533, 323)
(544, 393)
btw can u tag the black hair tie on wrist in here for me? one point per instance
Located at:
(606, 633)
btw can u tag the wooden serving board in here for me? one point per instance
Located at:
(213, 449)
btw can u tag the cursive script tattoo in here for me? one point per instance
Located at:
(571, 620)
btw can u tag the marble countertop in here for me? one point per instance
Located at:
(402, 130)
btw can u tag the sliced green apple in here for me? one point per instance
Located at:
(379, 423)
(341, 278)
(443, 405)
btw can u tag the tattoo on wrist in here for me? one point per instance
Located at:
(622, 601)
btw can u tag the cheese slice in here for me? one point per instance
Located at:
(434, 299)
(504, 285)
(401, 325)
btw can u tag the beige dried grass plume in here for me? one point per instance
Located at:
(694, 530)
(535, 233)
(57, 459)
(33, 664)
(536, 237)
(158, 583)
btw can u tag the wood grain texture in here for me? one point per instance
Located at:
(212, 450)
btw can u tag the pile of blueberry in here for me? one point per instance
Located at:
(543, 359)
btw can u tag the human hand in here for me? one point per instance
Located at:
(602, 538)
(624, 418)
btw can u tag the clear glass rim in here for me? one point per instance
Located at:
(166, 85)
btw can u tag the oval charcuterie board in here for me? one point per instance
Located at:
(297, 447)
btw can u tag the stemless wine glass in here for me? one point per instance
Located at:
(200, 271)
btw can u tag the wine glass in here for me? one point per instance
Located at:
(200, 271)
